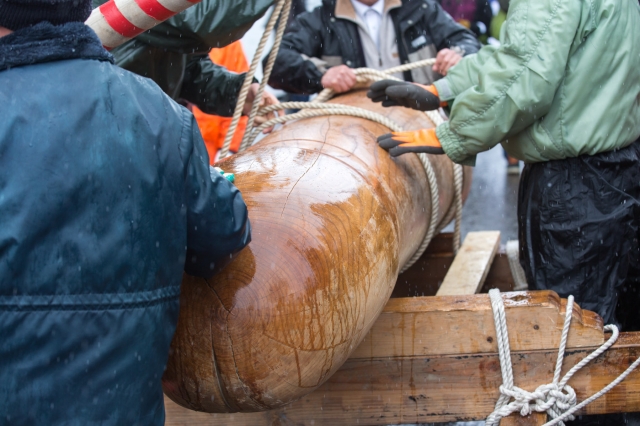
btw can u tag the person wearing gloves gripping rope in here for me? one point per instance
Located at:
(321, 48)
(561, 94)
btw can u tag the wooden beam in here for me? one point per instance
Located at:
(534, 419)
(463, 325)
(434, 359)
(409, 390)
(471, 265)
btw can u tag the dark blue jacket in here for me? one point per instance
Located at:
(105, 199)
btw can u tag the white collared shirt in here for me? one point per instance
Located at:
(371, 16)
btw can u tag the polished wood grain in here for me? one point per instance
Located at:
(463, 325)
(534, 419)
(334, 218)
(408, 380)
(471, 265)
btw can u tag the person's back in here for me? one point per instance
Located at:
(105, 198)
(563, 83)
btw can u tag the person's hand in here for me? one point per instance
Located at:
(340, 79)
(445, 59)
(267, 99)
(402, 93)
(398, 143)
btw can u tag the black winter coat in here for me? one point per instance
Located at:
(422, 27)
(105, 199)
(174, 53)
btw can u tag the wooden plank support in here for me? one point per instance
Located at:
(461, 325)
(434, 359)
(471, 265)
(534, 419)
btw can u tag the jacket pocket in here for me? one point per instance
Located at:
(424, 75)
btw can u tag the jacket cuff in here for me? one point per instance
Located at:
(230, 95)
(445, 92)
(452, 146)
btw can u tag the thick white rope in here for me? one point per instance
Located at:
(248, 80)
(311, 109)
(284, 14)
(558, 399)
(458, 180)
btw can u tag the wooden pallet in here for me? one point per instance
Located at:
(434, 358)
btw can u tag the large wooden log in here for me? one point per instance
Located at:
(435, 359)
(334, 219)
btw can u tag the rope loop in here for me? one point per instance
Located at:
(318, 108)
(557, 399)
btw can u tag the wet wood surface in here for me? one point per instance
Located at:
(334, 218)
(401, 382)
(463, 325)
(471, 265)
(534, 419)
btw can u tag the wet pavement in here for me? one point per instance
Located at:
(492, 202)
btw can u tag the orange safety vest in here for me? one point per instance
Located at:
(213, 127)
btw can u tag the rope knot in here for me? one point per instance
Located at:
(547, 398)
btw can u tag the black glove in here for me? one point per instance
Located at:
(402, 93)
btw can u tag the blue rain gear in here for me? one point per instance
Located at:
(105, 199)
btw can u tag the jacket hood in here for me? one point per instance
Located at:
(45, 42)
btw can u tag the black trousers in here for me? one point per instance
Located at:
(579, 227)
(579, 231)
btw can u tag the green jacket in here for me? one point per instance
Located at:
(564, 82)
(174, 53)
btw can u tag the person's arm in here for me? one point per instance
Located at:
(210, 87)
(295, 69)
(215, 90)
(500, 92)
(217, 218)
(210, 23)
(217, 23)
(447, 33)
(468, 71)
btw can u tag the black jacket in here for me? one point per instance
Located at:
(423, 28)
(174, 53)
(105, 199)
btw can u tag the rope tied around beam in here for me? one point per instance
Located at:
(319, 108)
(557, 398)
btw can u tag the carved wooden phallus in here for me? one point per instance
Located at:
(334, 219)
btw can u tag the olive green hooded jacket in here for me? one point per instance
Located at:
(564, 82)
(174, 53)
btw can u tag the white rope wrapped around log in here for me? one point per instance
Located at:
(316, 109)
(311, 109)
(248, 79)
(118, 21)
(286, 9)
(557, 399)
